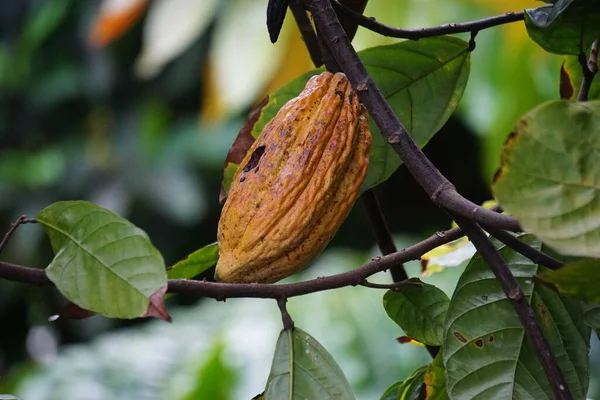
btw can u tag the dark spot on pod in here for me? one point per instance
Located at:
(460, 337)
(491, 339)
(254, 158)
(340, 93)
(242, 179)
(479, 343)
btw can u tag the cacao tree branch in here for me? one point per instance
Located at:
(222, 291)
(288, 322)
(439, 189)
(384, 238)
(515, 294)
(589, 69)
(13, 227)
(523, 248)
(415, 34)
(382, 233)
(308, 33)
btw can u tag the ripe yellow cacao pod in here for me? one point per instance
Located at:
(296, 184)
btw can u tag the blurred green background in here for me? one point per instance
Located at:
(133, 104)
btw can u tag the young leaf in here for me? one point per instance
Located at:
(571, 77)
(486, 352)
(303, 369)
(579, 280)
(103, 263)
(566, 27)
(550, 176)
(422, 80)
(435, 380)
(591, 316)
(196, 263)
(409, 389)
(419, 311)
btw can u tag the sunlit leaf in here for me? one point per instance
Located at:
(169, 29)
(579, 280)
(450, 254)
(571, 77)
(423, 81)
(550, 176)
(114, 18)
(103, 263)
(195, 263)
(242, 58)
(435, 380)
(485, 350)
(419, 310)
(566, 27)
(303, 369)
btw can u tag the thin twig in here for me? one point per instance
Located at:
(13, 227)
(439, 189)
(221, 291)
(371, 24)
(520, 303)
(523, 248)
(384, 238)
(308, 33)
(589, 69)
(288, 322)
(390, 286)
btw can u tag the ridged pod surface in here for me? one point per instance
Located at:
(296, 185)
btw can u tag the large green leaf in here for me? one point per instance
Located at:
(486, 352)
(419, 310)
(103, 263)
(566, 27)
(303, 369)
(550, 176)
(423, 81)
(195, 263)
(580, 280)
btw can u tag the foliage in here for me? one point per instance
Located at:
(484, 335)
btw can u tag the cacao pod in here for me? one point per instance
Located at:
(296, 184)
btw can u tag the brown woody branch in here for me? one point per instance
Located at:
(440, 190)
(473, 26)
(515, 294)
(589, 69)
(222, 291)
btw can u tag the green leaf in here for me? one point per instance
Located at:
(579, 280)
(566, 27)
(486, 352)
(419, 310)
(216, 378)
(303, 369)
(196, 263)
(591, 316)
(435, 380)
(102, 262)
(392, 392)
(571, 76)
(550, 176)
(409, 389)
(423, 81)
